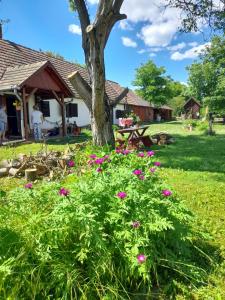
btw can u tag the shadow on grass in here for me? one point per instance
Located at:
(194, 153)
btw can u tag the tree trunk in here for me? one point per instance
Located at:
(94, 39)
(101, 112)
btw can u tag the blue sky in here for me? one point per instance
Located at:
(149, 33)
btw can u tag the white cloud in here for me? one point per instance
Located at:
(128, 42)
(152, 55)
(190, 53)
(162, 24)
(177, 47)
(193, 44)
(125, 25)
(141, 51)
(75, 29)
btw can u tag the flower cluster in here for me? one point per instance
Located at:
(28, 186)
(71, 163)
(64, 192)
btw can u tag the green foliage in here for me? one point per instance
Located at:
(83, 246)
(206, 78)
(152, 83)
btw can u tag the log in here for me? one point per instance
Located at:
(30, 174)
(5, 164)
(13, 171)
(16, 163)
(4, 172)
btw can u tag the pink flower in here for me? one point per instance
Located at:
(136, 224)
(142, 177)
(152, 170)
(166, 193)
(141, 154)
(28, 185)
(99, 161)
(137, 172)
(64, 192)
(93, 156)
(118, 151)
(125, 152)
(99, 170)
(71, 163)
(141, 258)
(106, 157)
(150, 153)
(157, 164)
(121, 195)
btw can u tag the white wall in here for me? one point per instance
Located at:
(83, 118)
(118, 107)
(55, 113)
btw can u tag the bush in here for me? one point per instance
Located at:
(191, 122)
(114, 232)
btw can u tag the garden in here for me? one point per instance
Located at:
(121, 225)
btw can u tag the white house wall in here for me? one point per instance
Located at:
(83, 118)
(118, 107)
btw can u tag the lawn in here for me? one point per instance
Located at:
(194, 166)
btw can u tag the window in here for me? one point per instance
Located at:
(72, 110)
(45, 108)
(120, 114)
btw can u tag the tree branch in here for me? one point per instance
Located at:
(120, 97)
(82, 87)
(117, 5)
(83, 14)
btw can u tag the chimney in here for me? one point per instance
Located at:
(1, 33)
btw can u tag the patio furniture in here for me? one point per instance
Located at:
(136, 136)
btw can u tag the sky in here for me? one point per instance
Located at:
(149, 33)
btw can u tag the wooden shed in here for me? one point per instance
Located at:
(192, 109)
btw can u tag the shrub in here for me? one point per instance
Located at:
(114, 232)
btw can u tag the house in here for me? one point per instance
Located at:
(29, 77)
(192, 108)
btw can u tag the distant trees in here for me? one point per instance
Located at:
(152, 83)
(155, 86)
(207, 77)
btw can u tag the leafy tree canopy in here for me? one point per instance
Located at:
(154, 85)
(207, 77)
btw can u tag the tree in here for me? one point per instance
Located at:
(196, 13)
(94, 39)
(152, 83)
(206, 77)
(179, 91)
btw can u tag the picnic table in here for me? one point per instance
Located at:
(136, 135)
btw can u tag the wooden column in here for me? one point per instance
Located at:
(25, 113)
(63, 116)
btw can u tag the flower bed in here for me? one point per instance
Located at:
(113, 232)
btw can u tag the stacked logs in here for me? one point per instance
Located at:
(162, 138)
(44, 164)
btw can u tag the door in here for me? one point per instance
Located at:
(14, 117)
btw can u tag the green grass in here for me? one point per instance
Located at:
(195, 167)
(7, 152)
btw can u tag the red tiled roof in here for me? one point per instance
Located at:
(14, 55)
(18, 74)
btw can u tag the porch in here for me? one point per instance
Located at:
(23, 86)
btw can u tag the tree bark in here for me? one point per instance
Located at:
(94, 39)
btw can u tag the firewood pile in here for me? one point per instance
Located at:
(162, 138)
(51, 164)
